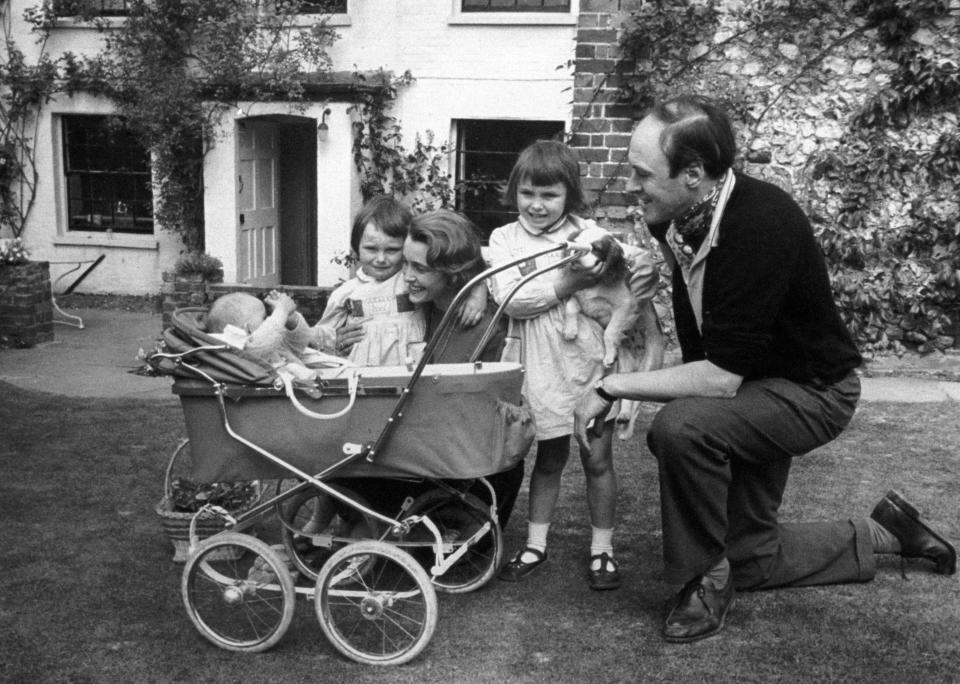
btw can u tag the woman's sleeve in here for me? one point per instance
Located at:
(531, 300)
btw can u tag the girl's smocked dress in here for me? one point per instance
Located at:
(391, 322)
(558, 371)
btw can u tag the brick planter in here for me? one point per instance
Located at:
(26, 304)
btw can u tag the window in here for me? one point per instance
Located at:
(486, 152)
(107, 177)
(103, 8)
(515, 6)
(323, 7)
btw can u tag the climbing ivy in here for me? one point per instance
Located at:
(883, 198)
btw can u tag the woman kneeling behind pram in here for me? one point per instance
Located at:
(441, 254)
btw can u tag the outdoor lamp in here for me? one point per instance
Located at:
(323, 129)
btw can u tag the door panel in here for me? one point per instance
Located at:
(257, 248)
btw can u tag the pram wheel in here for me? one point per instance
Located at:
(315, 525)
(375, 603)
(238, 592)
(461, 519)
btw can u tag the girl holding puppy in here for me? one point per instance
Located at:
(544, 187)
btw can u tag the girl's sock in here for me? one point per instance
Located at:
(536, 539)
(601, 541)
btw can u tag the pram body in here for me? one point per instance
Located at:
(245, 421)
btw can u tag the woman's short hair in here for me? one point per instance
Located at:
(387, 213)
(453, 244)
(697, 131)
(547, 162)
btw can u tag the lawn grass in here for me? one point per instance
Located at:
(89, 593)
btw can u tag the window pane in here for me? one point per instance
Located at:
(486, 152)
(323, 7)
(104, 8)
(515, 6)
(107, 176)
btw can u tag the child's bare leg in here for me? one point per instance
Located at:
(602, 501)
(551, 457)
(601, 480)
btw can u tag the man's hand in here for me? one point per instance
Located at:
(349, 335)
(590, 407)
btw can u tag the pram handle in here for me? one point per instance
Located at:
(353, 380)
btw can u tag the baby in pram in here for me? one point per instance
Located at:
(280, 338)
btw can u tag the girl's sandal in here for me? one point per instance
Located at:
(606, 576)
(517, 569)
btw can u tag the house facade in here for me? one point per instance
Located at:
(281, 182)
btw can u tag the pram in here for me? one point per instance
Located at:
(452, 424)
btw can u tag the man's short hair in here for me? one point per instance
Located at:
(697, 131)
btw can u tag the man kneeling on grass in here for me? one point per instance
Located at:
(768, 375)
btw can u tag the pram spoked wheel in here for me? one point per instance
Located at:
(238, 592)
(460, 518)
(315, 525)
(375, 603)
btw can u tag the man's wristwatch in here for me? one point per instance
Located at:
(602, 393)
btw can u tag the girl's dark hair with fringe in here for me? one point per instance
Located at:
(547, 162)
(697, 131)
(453, 244)
(387, 213)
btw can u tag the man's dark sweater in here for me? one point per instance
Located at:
(768, 310)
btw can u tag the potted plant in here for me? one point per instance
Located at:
(26, 314)
(184, 500)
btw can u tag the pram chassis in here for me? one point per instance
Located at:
(350, 586)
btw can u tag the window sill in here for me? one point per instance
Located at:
(333, 20)
(512, 19)
(77, 22)
(81, 239)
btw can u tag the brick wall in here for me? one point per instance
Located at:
(601, 126)
(26, 304)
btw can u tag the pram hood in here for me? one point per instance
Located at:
(187, 333)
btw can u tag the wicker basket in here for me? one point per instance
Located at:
(176, 524)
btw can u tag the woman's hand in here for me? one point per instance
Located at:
(474, 306)
(349, 335)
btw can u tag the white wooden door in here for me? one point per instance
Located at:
(258, 261)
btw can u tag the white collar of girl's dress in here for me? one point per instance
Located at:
(549, 229)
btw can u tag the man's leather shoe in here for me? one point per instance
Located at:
(916, 539)
(700, 611)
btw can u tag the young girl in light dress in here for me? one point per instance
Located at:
(544, 187)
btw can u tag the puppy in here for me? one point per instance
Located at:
(631, 328)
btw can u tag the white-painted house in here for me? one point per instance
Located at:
(279, 198)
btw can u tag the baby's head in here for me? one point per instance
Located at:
(377, 236)
(239, 309)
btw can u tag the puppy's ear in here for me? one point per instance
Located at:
(610, 252)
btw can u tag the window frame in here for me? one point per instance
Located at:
(510, 17)
(460, 154)
(85, 233)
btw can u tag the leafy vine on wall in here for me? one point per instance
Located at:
(882, 192)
